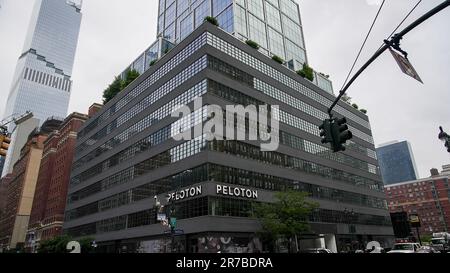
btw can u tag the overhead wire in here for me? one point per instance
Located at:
(364, 43)
(401, 23)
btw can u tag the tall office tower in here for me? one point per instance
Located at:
(42, 80)
(275, 25)
(126, 155)
(397, 162)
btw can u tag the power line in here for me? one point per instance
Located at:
(401, 23)
(364, 43)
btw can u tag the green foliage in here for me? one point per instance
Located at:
(253, 44)
(55, 245)
(212, 20)
(354, 105)
(364, 111)
(152, 63)
(59, 245)
(113, 89)
(287, 217)
(130, 77)
(278, 59)
(118, 85)
(426, 238)
(307, 72)
(346, 98)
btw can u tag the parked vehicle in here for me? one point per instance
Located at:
(427, 249)
(316, 250)
(440, 241)
(405, 248)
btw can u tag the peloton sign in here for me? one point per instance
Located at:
(237, 192)
(220, 190)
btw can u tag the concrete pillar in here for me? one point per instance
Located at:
(330, 242)
(320, 243)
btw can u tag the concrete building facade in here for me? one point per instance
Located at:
(126, 155)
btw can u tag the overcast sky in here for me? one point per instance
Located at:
(114, 32)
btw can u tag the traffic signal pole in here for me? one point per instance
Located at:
(394, 42)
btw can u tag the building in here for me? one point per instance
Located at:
(126, 155)
(42, 81)
(429, 198)
(445, 170)
(20, 136)
(275, 25)
(47, 214)
(21, 188)
(4, 184)
(397, 162)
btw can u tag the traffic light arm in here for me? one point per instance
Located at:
(394, 41)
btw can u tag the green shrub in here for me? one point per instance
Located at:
(278, 59)
(307, 72)
(253, 44)
(354, 105)
(212, 20)
(364, 111)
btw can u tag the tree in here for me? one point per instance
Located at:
(307, 72)
(59, 245)
(287, 217)
(55, 245)
(113, 89)
(129, 78)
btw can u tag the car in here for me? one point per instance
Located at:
(427, 249)
(316, 250)
(376, 250)
(405, 248)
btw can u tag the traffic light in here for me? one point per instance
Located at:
(325, 132)
(4, 145)
(341, 134)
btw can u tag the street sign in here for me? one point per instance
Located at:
(405, 65)
(161, 217)
(173, 222)
(414, 220)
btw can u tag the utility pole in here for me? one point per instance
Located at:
(395, 43)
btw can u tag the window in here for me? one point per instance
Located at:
(219, 5)
(273, 17)
(186, 26)
(276, 43)
(256, 8)
(225, 19)
(241, 21)
(257, 31)
(201, 12)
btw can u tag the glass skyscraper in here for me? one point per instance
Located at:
(274, 24)
(42, 81)
(397, 162)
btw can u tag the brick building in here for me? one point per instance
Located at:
(429, 198)
(49, 203)
(21, 186)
